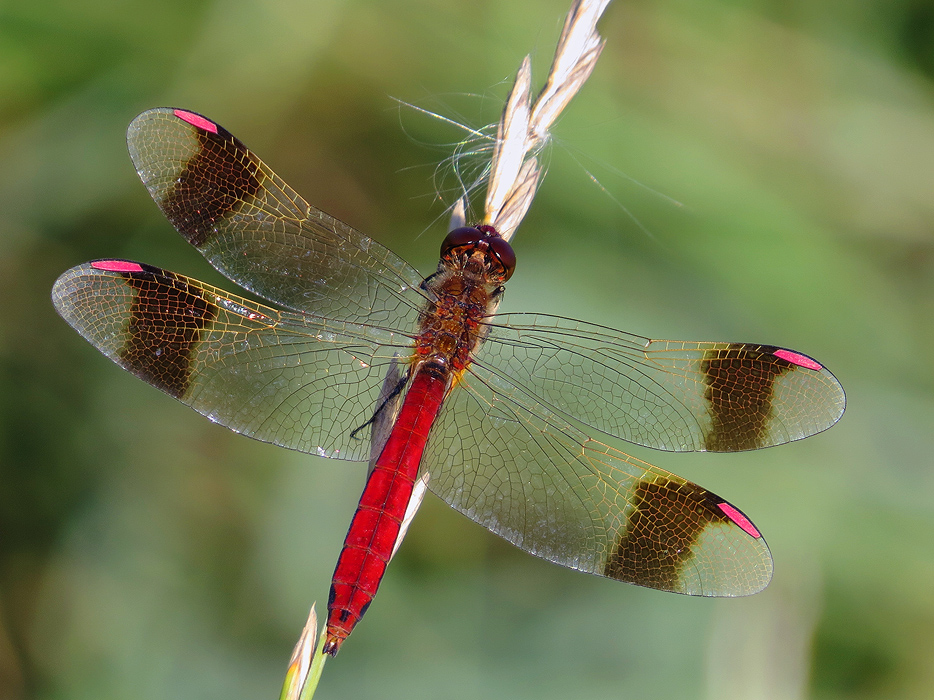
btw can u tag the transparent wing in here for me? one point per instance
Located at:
(548, 488)
(664, 394)
(292, 379)
(258, 231)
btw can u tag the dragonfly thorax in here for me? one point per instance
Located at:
(464, 291)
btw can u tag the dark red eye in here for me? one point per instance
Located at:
(504, 253)
(482, 237)
(460, 237)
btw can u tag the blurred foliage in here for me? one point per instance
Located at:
(767, 172)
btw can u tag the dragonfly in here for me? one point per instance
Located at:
(503, 416)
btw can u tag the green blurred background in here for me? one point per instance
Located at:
(768, 171)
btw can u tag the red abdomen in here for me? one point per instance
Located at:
(375, 526)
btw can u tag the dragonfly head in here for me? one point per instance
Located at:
(484, 239)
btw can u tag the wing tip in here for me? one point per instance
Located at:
(739, 518)
(799, 359)
(115, 265)
(196, 120)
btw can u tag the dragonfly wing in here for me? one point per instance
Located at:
(546, 487)
(258, 231)
(664, 394)
(292, 379)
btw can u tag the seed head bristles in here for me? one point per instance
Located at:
(467, 163)
(441, 117)
(578, 49)
(512, 143)
(523, 129)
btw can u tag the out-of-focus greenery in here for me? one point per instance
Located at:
(769, 175)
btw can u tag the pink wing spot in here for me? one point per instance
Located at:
(796, 358)
(117, 266)
(196, 120)
(740, 519)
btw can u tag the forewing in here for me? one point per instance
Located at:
(292, 379)
(664, 394)
(546, 487)
(258, 231)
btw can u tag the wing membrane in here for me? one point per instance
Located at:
(292, 379)
(664, 394)
(258, 231)
(548, 488)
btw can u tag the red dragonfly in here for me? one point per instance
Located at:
(366, 360)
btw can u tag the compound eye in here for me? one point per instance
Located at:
(460, 237)
(504, 253)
